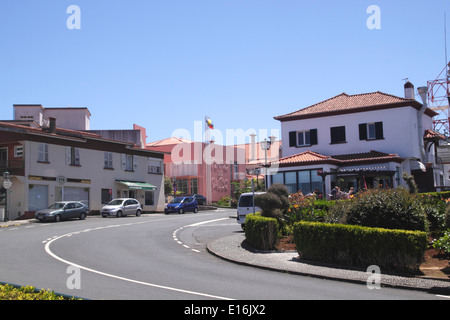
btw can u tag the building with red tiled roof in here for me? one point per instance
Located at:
(361, 140)
(49, 163)
(195, 175)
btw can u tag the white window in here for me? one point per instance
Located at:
(154, 166)
(18, 151)
(108, 163)
(129, 162)
(72, 156)
(303, 138)
(371, 131)
(42, 152)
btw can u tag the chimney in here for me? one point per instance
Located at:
(409, 90)
(52, 125)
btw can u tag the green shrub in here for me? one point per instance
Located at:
(398, 250)
(307, 208)
(390, 209)
(224, 201)
(9, 292)
(274, 202)
(261, 232)
(443, 243)
(268, 202)
(435, 205)
(338, 212)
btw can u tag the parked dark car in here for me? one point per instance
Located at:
(63, 210)
(181, 205)
(199, 198)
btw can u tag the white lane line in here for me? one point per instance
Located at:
(49, 252)
(174, 235)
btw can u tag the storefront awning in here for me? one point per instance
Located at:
(137, 185)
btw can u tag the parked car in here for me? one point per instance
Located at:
(63, 210)
(246, 206)
(181, 205)
(121, 207)
(199, 198)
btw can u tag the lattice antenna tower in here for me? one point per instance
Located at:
(439, 94)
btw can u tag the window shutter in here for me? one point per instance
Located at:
(68, 155)
(135, 162)
(313, 136)
(333, 134)
(124, 161)
(337, 134)
(363, 131)
(77, 156)
(292, 139)
(379, 130)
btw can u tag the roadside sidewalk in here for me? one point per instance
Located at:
(233, 249)
(16, 223)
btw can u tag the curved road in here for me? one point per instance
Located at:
(155, 257)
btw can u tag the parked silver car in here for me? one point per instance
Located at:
(121, 207)
(63, 210)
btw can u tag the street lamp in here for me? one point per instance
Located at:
(265, 145)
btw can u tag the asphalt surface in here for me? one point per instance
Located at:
(233, 248)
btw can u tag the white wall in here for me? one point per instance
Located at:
(91, 168)
(399, 129)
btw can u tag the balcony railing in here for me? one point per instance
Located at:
(14, 167)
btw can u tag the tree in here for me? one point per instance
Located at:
(168, 188)
(274, 202)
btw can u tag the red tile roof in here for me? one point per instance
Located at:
(309, 157)
(433, 135)
(344, 103)
(304, 158)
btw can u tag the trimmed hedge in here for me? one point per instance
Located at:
(391, 250)
(261, 232)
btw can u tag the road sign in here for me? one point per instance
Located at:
(61, 179)
(7, 184)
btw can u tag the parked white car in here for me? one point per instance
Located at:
(121, 207)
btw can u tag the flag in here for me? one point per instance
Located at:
(209, 122)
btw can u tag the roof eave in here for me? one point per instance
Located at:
(413, 103)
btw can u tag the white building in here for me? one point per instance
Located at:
(50, 164)
(69, 118)
(357, 141)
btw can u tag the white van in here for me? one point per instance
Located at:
(245, 206)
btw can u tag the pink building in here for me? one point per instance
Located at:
(208, 168)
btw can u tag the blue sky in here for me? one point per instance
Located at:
(165, 64)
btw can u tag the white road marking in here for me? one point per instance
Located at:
(192, 225)
(48, 242)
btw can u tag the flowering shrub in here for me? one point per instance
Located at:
(307, 208)
(9, 292)
(443, 243)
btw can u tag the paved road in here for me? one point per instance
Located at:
(155, 257)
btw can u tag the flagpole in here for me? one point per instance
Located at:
(208, 165)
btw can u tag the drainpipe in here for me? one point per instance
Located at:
(423, 95)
